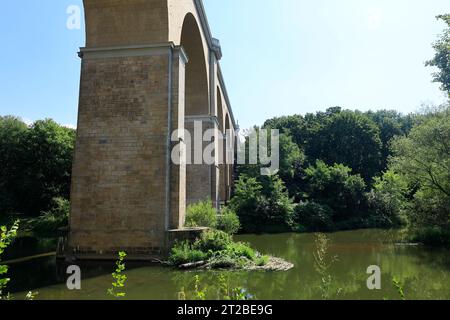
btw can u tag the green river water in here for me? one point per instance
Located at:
(423, 272)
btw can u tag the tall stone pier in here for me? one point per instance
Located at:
(149, 67)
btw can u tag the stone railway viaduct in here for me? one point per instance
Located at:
(149, 67)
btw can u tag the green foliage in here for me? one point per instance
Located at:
(431, 235)
(441, 59)
(223, 291)
(200, 294)
(312, 217)
(232, 294)
(322, 263)
(227, 260)
(210, 243)
(183, 252)
(264, 200)
(215, 248)
(347, 180)
(341, 152)
(337, 188)
(247, 196)
(213, 240)
(12, 143)
(422, 160)
(351, 139)
(391, 124)
(290, 155)
(262, 261)
(6, 238)
(36, 164)
(399, 287)
(48, 223)
(241, 249)
(201, 214)
(228, 221)
(387, 200)
(119, 278)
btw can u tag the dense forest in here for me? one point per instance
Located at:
(339, 169)
(35, 173)
(343, 169)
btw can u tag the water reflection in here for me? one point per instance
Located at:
(424, 272)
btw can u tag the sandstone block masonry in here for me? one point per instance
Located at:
(149, 68)
(119, 174)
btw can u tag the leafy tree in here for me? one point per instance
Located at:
(36, 165)
(293, 126)
(262, 204)
(49, 149)
(277, 208)
(352, 139)
(314, 217)
(423, 160)
(441, 59)
(423, 156)
(247, 196)
(391, 124)
(12, 139)
(388, 199)
(337, 188)
(290, 156)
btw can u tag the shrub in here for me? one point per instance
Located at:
(228, 221)
(217, 249)
(387, 200)
(262, 261)
(241, 249)
(336, 187)
(183, 252)
(201, 214)
(314, 216)
(262, 203)
(225, 260)
(434, 236)
(247, 196)
(49, 222)
(213, 240)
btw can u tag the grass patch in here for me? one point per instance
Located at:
(218, 250)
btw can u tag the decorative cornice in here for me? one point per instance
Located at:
(131, 51)
(203, 118)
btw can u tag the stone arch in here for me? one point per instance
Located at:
(196, 87)
(197, 109)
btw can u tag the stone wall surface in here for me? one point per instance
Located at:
(118, 185)
(136, 88)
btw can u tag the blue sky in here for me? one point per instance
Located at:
(280, 56)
